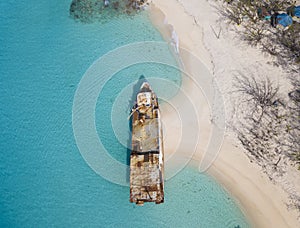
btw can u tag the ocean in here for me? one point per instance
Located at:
(44, 179)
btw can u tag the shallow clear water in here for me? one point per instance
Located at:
(43, 178)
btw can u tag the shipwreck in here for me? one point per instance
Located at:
(147, 155)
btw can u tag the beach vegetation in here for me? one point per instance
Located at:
(269, 128)
(258, 25)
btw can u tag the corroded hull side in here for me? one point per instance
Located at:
(146, 159)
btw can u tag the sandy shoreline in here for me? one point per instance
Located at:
(263, 203)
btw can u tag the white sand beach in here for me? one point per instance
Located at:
(197, 25)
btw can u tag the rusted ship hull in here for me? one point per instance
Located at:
(147, 156)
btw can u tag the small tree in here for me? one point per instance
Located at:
(259, 94)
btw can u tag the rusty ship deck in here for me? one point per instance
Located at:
(147, 156)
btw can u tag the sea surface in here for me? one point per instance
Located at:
(44, 180)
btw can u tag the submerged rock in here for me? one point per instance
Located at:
(88, 11)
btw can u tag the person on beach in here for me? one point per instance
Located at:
(274, 19)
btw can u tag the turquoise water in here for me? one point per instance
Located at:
(44, 180)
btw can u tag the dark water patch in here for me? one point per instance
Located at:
(89, 11)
